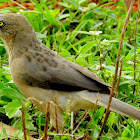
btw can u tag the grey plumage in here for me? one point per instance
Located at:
(58, 74)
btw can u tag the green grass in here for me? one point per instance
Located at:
(67, 31)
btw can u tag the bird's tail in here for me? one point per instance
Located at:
(116, 105)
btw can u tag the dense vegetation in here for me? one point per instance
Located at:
(89, 35)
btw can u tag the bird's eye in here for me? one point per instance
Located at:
(1, 24)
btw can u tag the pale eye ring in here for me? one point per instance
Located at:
(2, 24)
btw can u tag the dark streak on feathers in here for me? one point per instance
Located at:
(57, 84)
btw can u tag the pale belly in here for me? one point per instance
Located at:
(40, 97)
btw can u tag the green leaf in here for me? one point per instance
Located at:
(39, 35)
(131, 82)
(81, 61)
(127, 77)
(63, 16)
(88, 46)
(3, 132)
(2, 85)
(111, 68)
(127, 131)
(55, 12)
(78, 28)
(111, 119)
(47, 13)
(64, 4)
(2, 110)
(30, 126)
(12, 107)
(83, 32)
(92, 5)
(18, 134)
(2, 102)
(11, 93)
(50, 16)
(64, 53)
(38, 6)
(99, 113)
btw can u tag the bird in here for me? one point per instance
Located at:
(47, 79)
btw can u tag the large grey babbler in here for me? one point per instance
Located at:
(41, 74)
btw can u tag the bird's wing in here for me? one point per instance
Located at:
(57, 73)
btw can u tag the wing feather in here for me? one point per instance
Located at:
(58, 73)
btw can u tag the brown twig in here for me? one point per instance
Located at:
(76, 122)
(129, 40)
(56, 121)
(80, 122)
(80, 117)
(116, 68)
(23, 120)
(135, 43)
(46, 122)
(120, 73)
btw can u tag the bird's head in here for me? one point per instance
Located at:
(12, 25)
